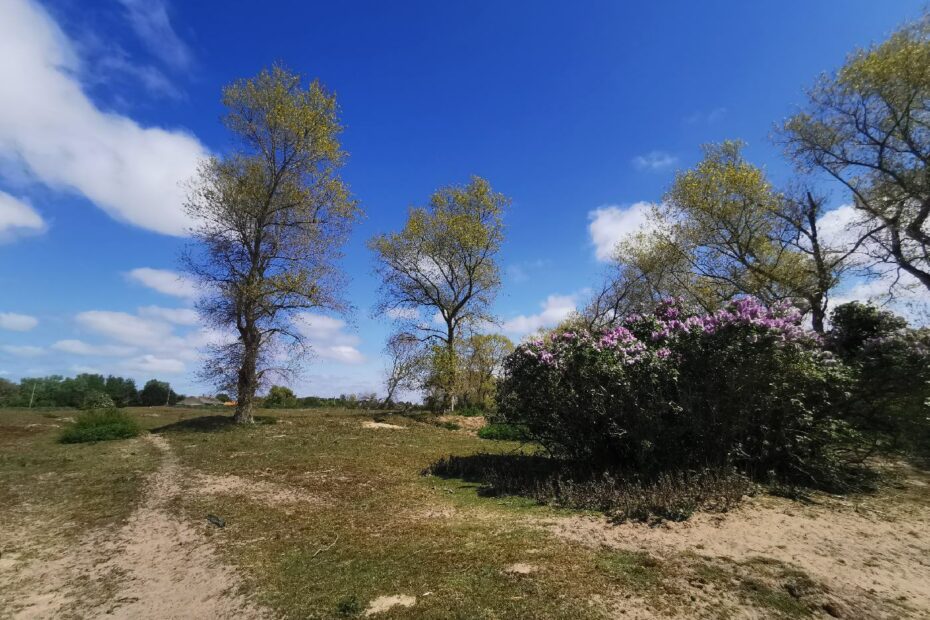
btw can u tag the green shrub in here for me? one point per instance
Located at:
(503, 431)
(745, 387)
(100, 425)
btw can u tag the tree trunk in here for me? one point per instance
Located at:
(247, 381)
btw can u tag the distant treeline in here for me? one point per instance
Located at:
(59, 391)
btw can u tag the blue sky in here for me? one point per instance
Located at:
(578, 111)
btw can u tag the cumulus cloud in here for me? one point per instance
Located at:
(654, 161)
(554, 309)
(126, 328)
(17, 217)
(329, 339)
(79, 347)
(17, 322)
(178, 316)
(165, 281)
(150, 21)
(611, 224)
(65, 141)
(22, 350)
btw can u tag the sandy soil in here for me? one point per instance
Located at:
(873, 557)
(155, 566)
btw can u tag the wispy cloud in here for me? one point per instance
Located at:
(164, 281)
(151, 23)
(654, 161)
(706, 117)
(17, 218)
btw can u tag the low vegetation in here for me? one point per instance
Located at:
(100, 425)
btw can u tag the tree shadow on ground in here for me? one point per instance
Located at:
(673, 495)
(210, 424)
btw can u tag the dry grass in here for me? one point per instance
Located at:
(325, 516)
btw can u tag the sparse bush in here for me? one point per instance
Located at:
(668, 496)
(100, 425)
(745, 387)
(503, 431)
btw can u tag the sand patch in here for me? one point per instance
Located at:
(382, 425)
(384, 603)
(859, 553)
(521, 569)
(468, 423)
(258, 490)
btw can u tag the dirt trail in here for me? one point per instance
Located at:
(155, 566)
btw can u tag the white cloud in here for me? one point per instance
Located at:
(22, 350)
(50, 126)
(555, 309)
(126, 328)
(165, 281)
(328, 338)
(79, 347)
(149, 19)
(611, 224)
(178, 316)
(154, 364)
(17, 322)
(654, 161)
(17, 217)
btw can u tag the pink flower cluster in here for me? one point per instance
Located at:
(669, 321)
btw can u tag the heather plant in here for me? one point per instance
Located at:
(744, 387)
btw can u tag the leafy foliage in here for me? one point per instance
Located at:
(444, 261)
(100, 425)
(892, 367)
(270, 219)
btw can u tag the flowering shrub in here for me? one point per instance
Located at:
(746, 386)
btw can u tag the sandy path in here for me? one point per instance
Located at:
(155, 566)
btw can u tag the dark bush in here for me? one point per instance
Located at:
(745, 387)
(100, 425)
(853, 323)
(503, 431)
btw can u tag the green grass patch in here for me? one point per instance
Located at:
(501, 431)
(100, 425)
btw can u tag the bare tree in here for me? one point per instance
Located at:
(443, 263)
(406, 364)
(269, 220)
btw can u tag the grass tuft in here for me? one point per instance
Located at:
(100, 425)
(502, 431)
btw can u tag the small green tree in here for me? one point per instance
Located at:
(443, 263)
(281, 397)
(157, 393)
